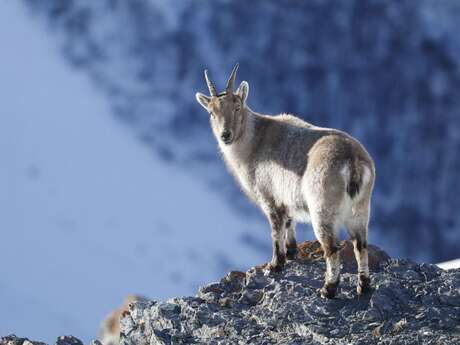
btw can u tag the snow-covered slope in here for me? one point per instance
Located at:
(448, 265)
(83, 203)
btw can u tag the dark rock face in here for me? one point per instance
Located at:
(410, 304)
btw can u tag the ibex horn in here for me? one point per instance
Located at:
(212, 89)
(231, 80)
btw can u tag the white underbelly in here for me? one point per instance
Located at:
(289, 194)
(301, 216)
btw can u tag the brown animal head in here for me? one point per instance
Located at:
(226, 109)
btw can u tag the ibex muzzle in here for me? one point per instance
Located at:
(296, 172)
(226, 137)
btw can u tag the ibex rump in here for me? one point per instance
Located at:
(296, 172)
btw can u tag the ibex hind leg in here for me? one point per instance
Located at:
(325, 195)
(326, 233)
(357, 230)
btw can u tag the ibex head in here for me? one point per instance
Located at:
(226, 108)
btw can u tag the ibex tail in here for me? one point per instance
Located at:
(356, 177)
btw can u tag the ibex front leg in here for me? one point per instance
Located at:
(278, 218)
(291, 243)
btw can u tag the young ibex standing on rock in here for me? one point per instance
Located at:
(296, 172)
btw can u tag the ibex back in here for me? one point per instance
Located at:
(296, 172)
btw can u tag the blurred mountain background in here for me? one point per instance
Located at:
(386, 72)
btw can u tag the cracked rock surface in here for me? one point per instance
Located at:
(410, 304)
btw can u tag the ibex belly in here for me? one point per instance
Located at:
(284, 188)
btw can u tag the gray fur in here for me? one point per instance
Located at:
(297, 172)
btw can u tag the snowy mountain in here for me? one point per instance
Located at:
(83, 202)
(387, 72)
(87, 196)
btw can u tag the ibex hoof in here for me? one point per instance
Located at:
(291, 253)
(329, 290)
(274, 268)
(364, 285)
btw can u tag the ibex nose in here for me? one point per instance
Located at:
(226, 136)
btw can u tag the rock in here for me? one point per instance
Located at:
(68, 340)
(62, 340)
(14, 340)
(251, 297)
(410, 304)
(311, 251)
(109, 331)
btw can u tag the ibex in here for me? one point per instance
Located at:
(296, 172)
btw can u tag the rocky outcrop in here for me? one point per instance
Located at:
(410, 304)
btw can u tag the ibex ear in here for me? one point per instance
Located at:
(202, 99)
(243, 91)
